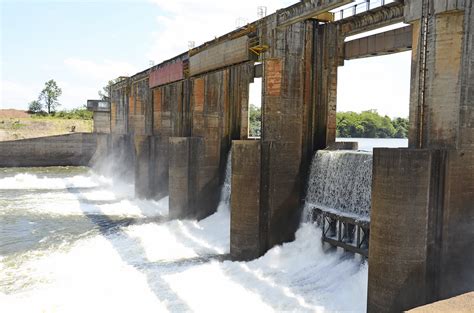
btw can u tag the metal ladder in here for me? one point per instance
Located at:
(423, 52)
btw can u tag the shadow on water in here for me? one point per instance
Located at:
(113, 231)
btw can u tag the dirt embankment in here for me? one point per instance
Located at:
(15, 124)
(11, 113)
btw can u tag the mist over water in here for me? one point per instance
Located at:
(74, 241)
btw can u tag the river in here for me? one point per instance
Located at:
(72, 240)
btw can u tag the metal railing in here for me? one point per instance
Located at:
(359, 7)
(344, 232)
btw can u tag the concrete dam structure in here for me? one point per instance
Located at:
(182, 117)
(410, 211)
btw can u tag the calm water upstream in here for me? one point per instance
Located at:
(368, 144)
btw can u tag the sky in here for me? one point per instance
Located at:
(83, 44)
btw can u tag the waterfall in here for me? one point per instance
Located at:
(226, 186)
(340, 182)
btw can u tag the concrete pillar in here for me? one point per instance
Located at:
(441, 96)
(143, 167)
(398, 249)
(422, 227)
(160, 165)
(246, 221)
(283, 131)
(327, 55)
(422, 220)
(184, 190)
(456, 268)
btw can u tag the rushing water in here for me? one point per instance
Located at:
(340, 182)
(75, 241)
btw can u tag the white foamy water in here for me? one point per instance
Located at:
(340, 182)
(168, 266)
(29, 181)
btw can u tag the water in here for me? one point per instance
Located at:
(227, 188)
(368, 144)
(341, 182)
(75, 241)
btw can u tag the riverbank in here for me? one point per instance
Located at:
(16, 124)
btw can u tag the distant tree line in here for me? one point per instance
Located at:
(369, 124)
(255, 121)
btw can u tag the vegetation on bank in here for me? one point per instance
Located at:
(255, 121)
(74, 114)
(47, 99)
(367, 124)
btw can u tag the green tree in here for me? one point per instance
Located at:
(255, 121)
(369, 124)
(50, 95)
(104, 94)
(35, 107)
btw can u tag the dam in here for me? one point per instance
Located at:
(178, 134)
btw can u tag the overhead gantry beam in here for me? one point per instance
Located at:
(393, 41)
(386, 15)
(306, 9)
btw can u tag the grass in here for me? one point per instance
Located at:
(36, 126)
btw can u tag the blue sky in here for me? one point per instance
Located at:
(83, 44)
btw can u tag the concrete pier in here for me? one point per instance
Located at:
(247, 220)
(422, 238)
(183, 172)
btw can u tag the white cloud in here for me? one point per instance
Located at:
(17, 95)
(74, 95)
(103, 71)
(181, 21)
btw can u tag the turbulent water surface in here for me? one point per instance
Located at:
(74, 241)
(341, 182)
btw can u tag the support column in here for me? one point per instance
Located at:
(422, 220)
(442, 80)
(327, 57)
(422, 227)
(184, 190)
(246, 229)
(160, 167)
(143, 167)
(400, 230)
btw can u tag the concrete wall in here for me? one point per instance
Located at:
(283, 128)
(421, 240)
(398, 248)
(101, 122)
(185, 153)
(220, 55)
(76, 149)
(247, 220)
(119, 108)
(441, 105)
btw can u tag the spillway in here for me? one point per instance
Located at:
(74, 241)
(340, 182)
